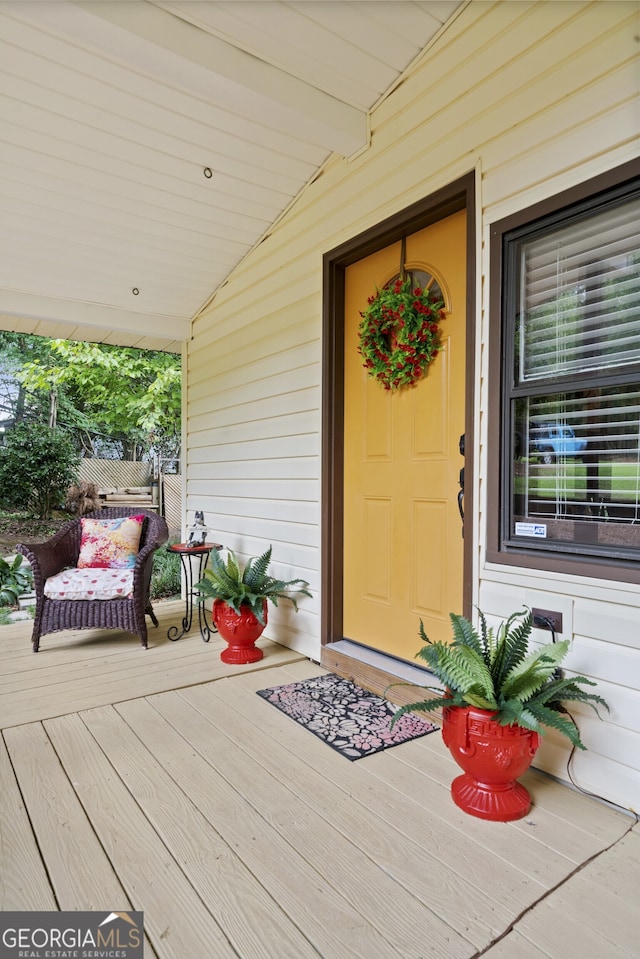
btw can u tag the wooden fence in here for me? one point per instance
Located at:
(127, 474)
(118, 473)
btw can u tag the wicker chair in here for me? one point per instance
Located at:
(62, 551)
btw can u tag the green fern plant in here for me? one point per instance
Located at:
(248, 586)
(494, 670)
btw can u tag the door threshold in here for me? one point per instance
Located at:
(395, 679)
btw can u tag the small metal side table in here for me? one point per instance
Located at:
(187, 554)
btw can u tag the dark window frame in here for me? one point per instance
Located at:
(500, 547)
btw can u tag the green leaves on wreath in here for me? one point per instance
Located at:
(399, 335)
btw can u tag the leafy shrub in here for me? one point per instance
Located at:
(15, 579)
(37, 466)
(166, 577)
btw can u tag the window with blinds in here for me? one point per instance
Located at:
(571, 379)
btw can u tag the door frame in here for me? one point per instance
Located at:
(456, 196)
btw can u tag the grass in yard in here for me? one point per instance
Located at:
(619, 482)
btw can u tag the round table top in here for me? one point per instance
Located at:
(203, 548)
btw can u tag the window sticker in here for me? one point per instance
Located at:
(532, 529)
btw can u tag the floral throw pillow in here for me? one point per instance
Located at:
(110, 543)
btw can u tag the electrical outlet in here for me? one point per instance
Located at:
(542, 618)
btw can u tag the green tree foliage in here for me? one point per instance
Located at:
(37, 466)
(103, 392)
(15, 351)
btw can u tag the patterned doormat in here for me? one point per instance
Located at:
(351, 720)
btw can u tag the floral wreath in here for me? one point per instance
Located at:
(399, 333)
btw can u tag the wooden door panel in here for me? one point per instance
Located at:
(429, 539)
(379, 544)
(430, 439)
(378, 425)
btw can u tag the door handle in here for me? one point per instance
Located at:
(461, 481)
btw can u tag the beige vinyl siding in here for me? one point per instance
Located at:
(533, 96)
(601, 622)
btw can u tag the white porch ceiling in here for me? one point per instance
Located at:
(112, 111)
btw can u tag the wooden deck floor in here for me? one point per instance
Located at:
(158, 781)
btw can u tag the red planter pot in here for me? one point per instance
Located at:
(239, 632)
(492, 757)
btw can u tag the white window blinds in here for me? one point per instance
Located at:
(579, 296)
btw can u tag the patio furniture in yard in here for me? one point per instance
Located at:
(84, 579)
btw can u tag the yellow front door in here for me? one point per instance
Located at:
(403, 546)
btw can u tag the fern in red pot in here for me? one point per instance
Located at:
(497, 700)
(240, 596)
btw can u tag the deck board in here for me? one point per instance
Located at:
(610, 926)
(81, 875)
(567, 822)
(320, 848)
(221, 781)
(24, 883)
(81, 669)
(429, 860)
(213, 867)
(159, 781)
(150, 876)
